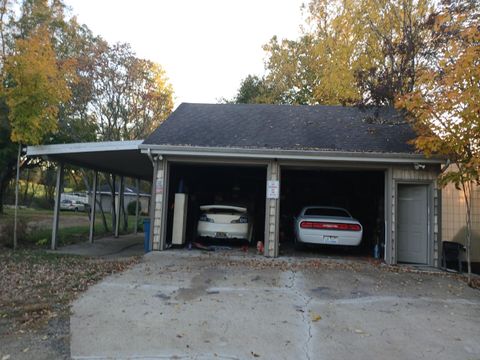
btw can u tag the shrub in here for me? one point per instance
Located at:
(131, 207)
(41, 203)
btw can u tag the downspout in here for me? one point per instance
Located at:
(149, 154)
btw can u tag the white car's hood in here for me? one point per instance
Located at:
(223, 207)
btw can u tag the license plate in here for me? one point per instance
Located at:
(221, 235)
(330, 239)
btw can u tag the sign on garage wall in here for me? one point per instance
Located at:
(273, 189)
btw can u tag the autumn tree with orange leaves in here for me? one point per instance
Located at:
(445, 104)
(37, 86)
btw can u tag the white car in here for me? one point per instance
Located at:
(327, 225)
(72, 205)
(224, 222)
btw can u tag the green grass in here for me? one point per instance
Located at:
(40, 237)
(74, 234)
(31, 214)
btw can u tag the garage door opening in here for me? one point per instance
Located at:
(241, 186)
(359, 192)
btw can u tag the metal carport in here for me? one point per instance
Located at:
(121, 158)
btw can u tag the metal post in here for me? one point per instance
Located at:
(56, 209)
(17, 180)
(117, 209)
(92, 208)
(121, 200)
(113, 204)
(137, 184)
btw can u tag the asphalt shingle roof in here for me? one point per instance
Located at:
(285, 127)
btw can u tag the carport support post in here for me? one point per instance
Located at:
(137, 185)
(114, 206)
(117, 208)
(56, 209)
(123, 213)
(92, 208)
(272, 212)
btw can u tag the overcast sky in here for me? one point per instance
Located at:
(205, 46)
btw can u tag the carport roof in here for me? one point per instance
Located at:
(285, 127)
(117, 157)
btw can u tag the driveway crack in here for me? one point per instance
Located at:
(307, 321)
(304, 311)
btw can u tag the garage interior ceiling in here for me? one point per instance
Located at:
(116, 157)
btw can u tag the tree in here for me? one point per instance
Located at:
(32, 20)
(445, 103)
(36, 87)
(292, 70)
(131, 96)
(352, 52)
(252, 90)
(8, 150)
(396, 39)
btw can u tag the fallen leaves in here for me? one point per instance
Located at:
(37, 285)
(315, 317)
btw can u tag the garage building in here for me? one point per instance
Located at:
(279, 158)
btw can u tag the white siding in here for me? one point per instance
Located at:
(454, 217)
(408, 174)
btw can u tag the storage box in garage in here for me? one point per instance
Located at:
(179, 219)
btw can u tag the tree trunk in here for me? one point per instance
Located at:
(25, 191)
(5, 175)
(467, 187)
(32, 195)
(17, 179)
(3, 185)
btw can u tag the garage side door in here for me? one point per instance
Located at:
(412, 224)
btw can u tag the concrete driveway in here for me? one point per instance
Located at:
(192, 305)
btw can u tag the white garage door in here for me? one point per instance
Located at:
(412, 224)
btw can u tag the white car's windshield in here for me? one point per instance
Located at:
(326, 212)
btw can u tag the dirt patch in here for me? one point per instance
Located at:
(37, 288)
